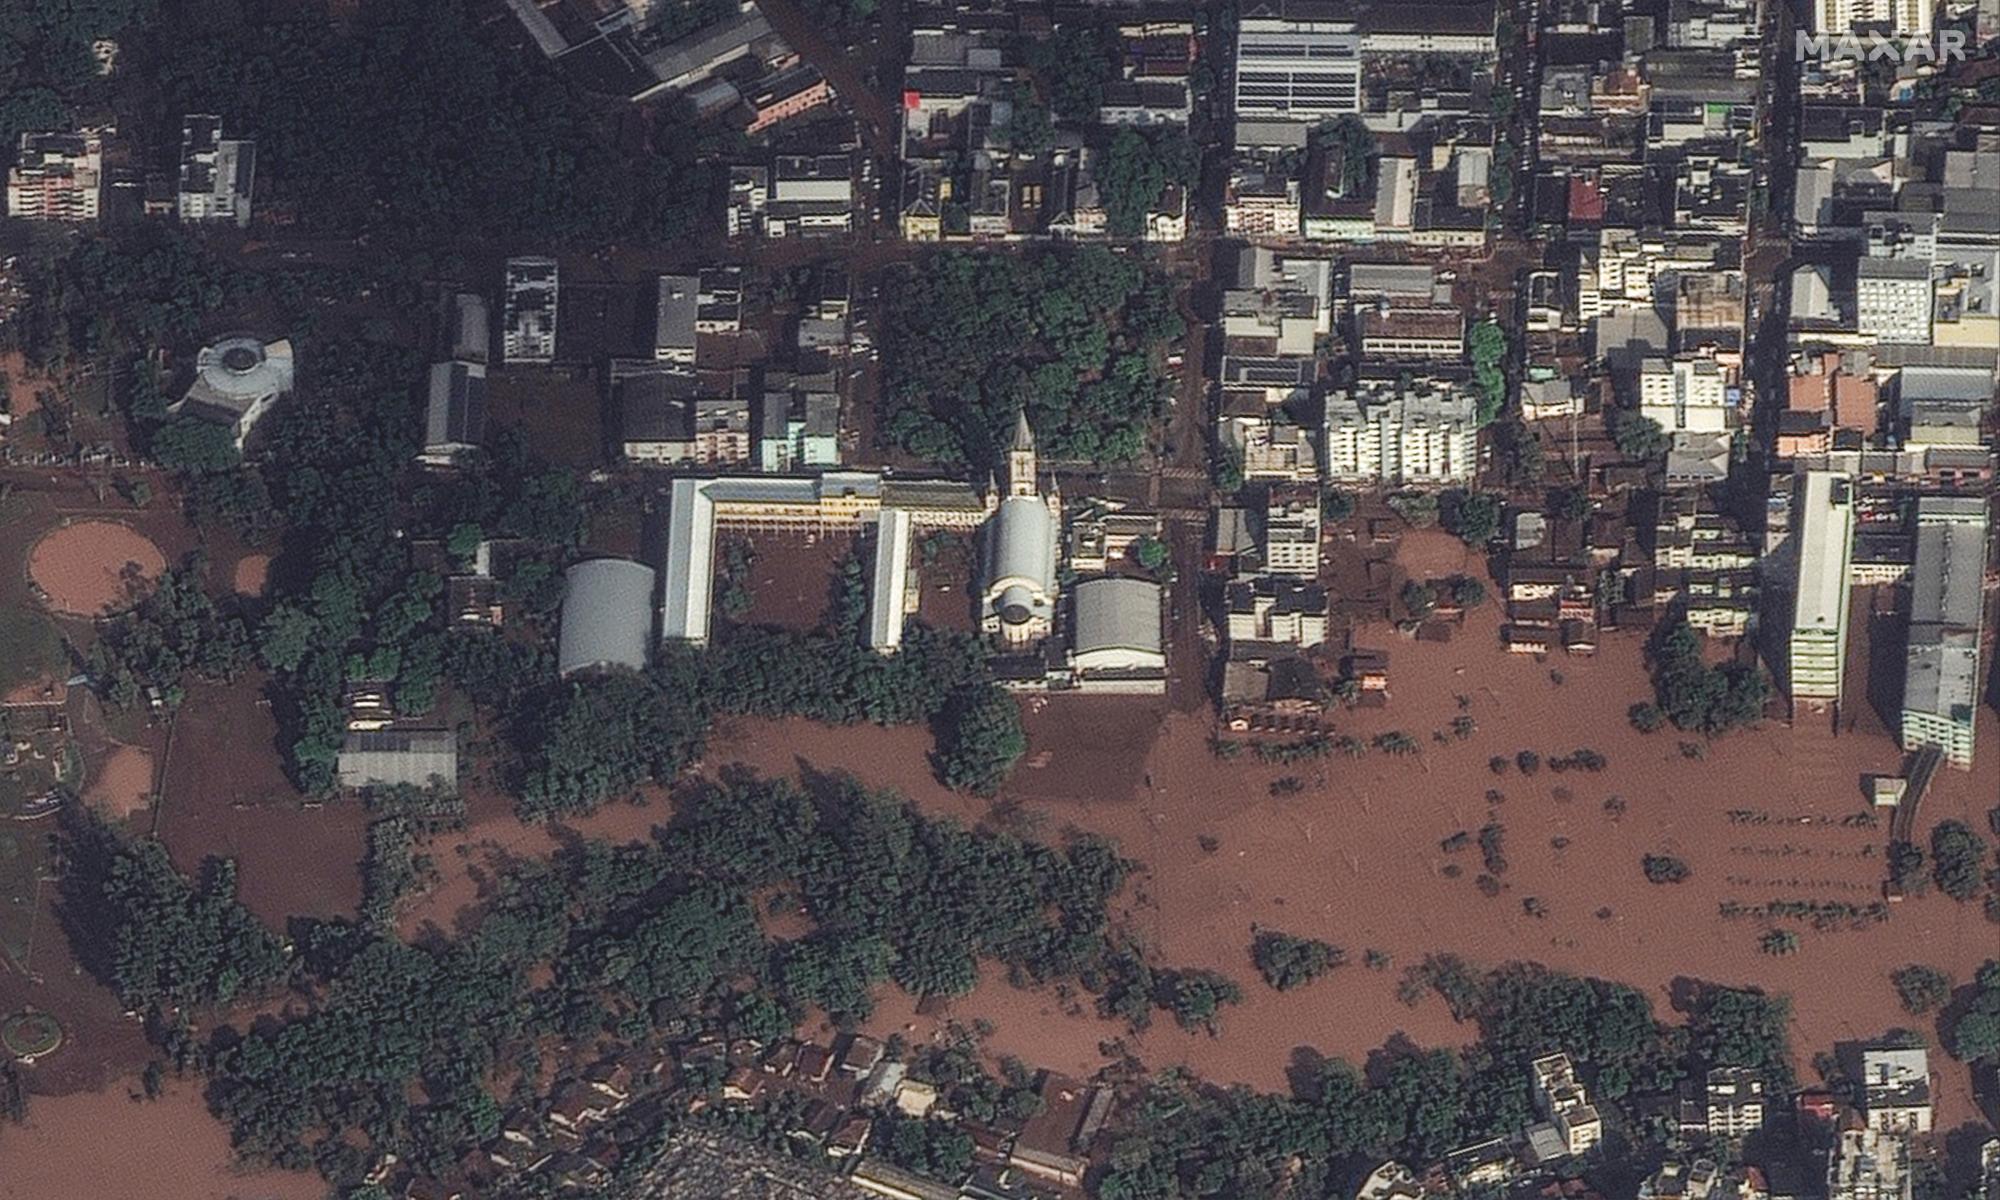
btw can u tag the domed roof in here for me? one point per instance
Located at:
(243, 368)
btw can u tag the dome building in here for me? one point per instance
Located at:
(1018, 585)
(236, 381)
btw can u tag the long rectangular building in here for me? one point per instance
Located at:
(1947, 610)
(1820, 616)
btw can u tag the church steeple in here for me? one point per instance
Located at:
(1021, 458)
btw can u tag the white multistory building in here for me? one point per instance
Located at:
(1684, 395)
(1420, 431)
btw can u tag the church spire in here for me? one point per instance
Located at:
(1024, 435)
(1021, 458)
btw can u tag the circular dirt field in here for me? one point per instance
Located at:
(93, 567)
(124, 783)
(30, 1035)
(251, 571)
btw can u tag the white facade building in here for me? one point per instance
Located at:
(217, 173)
(1383, 431)
(1684, 395)
(1892, 299)
(1826, 553)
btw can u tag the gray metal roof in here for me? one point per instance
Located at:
(679, 297)
(1117, 614)
(607, 615)
(1945, 583)
(387, 757)
(690, 566)
(886, 584)
(1021, 544)
(456, 412)
(1941, 676)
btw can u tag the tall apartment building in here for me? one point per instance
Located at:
(56, 177)
(1560, 1096)
(217, 173)
(1826, 552)
(1684, 395)
(1907, 18)
(1291, 534)
(1892, 300)
(1289, 70)
(528, 320)
(1941, 674)
(1387, 431)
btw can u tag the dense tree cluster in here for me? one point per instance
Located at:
(1488, 348)
(594, 738)
(1287, 962)
(1958, 859)
(173, 632)
(1472, 517)
(155, 938)
(398, 1051)
(415, 123)
(1069, 335)
(1073, 64)
(1698, 697)
(46, 58)
(1187, 1140)
(1136, 171)
(1922, 989)
(1637, 437)
(1975, 1033)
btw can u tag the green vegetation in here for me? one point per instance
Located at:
(1664, 868)
(155, 938)
(1696, 696)
(46, 64)
(1150, 552)
(433, 101)
(1975, 1033)
(1472, 517)
(1779, 942)
(980, 740)
(1137, 170)
(1336, 504)
(1487, 344)
(1646, 718)
(1070, 335)
(1958, 859)
(1637, 437)
(1418, 508)
(1352, 155)
(587, 740)
(29, 1034)
(1188, 1140)
(625, 943)
(1072, 64)
(1921, 989)
(174, 632)
(1287, 962)
(1906, 867)
(1419, 599)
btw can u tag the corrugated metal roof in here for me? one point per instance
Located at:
(607, 615)
(387, 757)
(1117, 614)
(690, 565)
(892, 565)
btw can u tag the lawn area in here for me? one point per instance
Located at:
(20, 864)
(30, 647)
